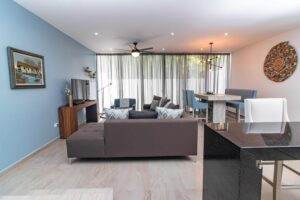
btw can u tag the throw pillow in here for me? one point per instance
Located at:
(154, 104)
(142, 115)
(167, 105)
(163, 101)
(116, 113)
(171, 105)
(158, 98)
(165, 113)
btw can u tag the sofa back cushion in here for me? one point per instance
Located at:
(163, 101)
(171, 105)
(142, 114)
(165, 113)
(157, 98)
(245, 94)
(154, 104)
(150, 137)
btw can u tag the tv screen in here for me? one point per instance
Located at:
(80, 90)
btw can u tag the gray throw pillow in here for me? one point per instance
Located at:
(163, 101)
(165, 113)
(171, 105)
(154, 104)
(167, 105)
(158, 98)
(117, 113)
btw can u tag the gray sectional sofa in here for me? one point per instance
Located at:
(134, 138)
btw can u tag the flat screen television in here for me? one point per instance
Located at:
(80, 90)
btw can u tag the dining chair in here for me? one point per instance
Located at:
(196, 104)
(270, 110)
(238, 105)
(184, 100)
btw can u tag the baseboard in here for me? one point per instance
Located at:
(27, 156)
(82, 124)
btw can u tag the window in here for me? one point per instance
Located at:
(163, 75)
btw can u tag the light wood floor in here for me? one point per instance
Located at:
(131, 179)
(68, 194)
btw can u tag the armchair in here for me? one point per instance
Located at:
(124, 103)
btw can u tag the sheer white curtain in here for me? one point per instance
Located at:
(107, 73)
(124, 75)
(153, 77)
(138, 78)
(130, 79)
(175, 77)
(162, 75)
(217, 80)
(196, 73)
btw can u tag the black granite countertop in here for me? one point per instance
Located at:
(260, 135)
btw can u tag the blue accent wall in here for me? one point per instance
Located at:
(27, 115)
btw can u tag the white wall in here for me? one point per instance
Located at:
(247, 72)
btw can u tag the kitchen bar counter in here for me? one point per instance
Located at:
(233, 151)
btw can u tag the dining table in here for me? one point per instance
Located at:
(217, 105)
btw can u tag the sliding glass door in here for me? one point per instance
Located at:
(123, 76)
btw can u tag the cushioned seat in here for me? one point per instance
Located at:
(87, 142)
(239, 105)
(235, 104)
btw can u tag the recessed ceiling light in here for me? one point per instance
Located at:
(96, 34)
(201, 49)
(172, 33)
(226, 34)
(163, 49)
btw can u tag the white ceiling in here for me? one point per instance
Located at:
(194, 22)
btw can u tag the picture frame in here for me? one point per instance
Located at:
(26, 69)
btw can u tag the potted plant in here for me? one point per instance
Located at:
(69, 95)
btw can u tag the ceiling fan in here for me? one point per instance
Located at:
(135, 52)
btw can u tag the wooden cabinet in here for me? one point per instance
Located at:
(68, 117)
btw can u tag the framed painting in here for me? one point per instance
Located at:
(26, 69)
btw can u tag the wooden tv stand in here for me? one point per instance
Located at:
(68, 120)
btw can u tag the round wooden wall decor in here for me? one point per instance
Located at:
(280, 62)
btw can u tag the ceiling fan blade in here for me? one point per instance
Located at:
(131, 46)
(147, 52)
(124, 50)
(145, 49)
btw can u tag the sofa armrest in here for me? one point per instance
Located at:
(133, 107)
